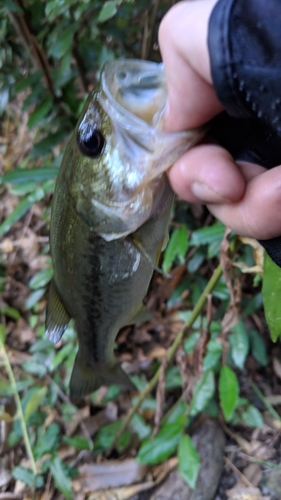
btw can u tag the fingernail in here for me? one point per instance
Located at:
(205, 193)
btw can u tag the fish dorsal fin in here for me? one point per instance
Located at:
(57, 317)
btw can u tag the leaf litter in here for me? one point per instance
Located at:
(73, 467)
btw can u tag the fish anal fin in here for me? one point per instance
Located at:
(141, 315)
(86, 379)
(57, 317)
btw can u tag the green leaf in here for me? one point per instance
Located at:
(2, 335)
(189, 461)
(208, 234)
(12, 6)
(78, 442)
(62, 480)
(124, 440)
(239, 342)
(27, 81)
(191, 342)
(212, 409)
(23, 189)
(106, 435)
(271, 291)
(21, 209)
(195, 262)
(177, 413)
(6, 388)
(41, 278)
(34, 401)
(40, 112)
(252, 417)
(107, 11)
(173, 378)
(203, 392)
(62, 44)
(47, 442)
(213, 354)
(35, 368)
(61, 355)
(33, 298)
(258, 348)
(44, 146)
(162, 446)
(27, 477)
(112, 393)
(176, 248)
(140, 427)
(228, 391)
(20, 175)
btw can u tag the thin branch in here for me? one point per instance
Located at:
(172, 351)
(239, 473)
(10, 373)
(149, 34)
(80, 63)
(29, 40)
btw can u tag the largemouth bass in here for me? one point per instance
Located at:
(110, 213)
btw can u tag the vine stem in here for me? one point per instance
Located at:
(172, 351)
(9, 370)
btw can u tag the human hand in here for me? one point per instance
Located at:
(244, 196)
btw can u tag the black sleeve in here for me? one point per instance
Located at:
(245, 54)
(244, 42)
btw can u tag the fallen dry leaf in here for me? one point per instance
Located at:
(77, 418)
(242, 493)
(125, 493)
(258, 250)
(253, 473)
(109, 474)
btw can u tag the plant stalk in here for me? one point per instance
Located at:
(10, 373)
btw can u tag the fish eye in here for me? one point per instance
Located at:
(93, 145)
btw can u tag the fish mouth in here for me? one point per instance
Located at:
(133, 94)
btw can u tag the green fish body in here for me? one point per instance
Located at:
(109, 221)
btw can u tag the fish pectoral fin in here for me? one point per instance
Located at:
(145, 255)
(86, 379)
(165, 241)
(57, 317)
(141, 315)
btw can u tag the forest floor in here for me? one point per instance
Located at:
(244, 459)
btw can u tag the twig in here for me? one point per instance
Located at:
(23, 28)
(18, 406)
(160, 397)
(237, 471)
(265, 402)
(172, 351)
(148, 31)
(10, 496)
